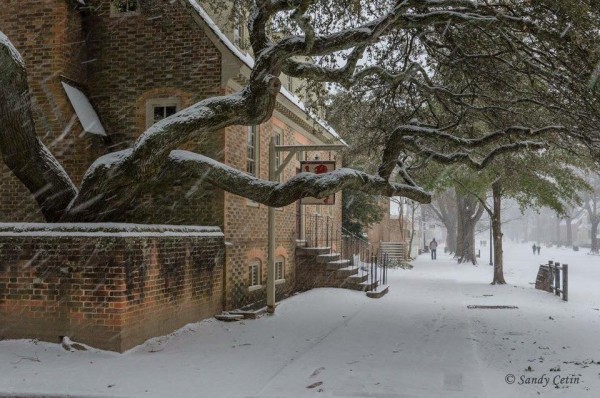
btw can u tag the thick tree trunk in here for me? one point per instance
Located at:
(469, 213)
(22, 151)
(568, 222)
(114, 182)
(594, 233)
(497, 234)
(451, 233)
(412, 229)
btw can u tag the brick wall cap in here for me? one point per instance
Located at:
(106, 229)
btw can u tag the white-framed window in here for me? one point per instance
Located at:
(290, 86)
(279, 269)
(254, 275)
(239, 20)
(124, 7)
(278, 141)
(160, 108)
(252, 151)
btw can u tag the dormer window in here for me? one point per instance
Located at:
(124, 7)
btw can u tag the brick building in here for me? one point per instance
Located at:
(102, 71)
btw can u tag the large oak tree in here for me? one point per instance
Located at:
(399, 46)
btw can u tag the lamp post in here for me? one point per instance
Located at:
(425, 248)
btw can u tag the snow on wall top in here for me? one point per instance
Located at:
(107, 230)
(249, 62)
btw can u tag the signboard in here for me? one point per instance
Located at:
(317, 167)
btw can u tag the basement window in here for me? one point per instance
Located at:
(279, 270)
(124, 7)
(254, 276)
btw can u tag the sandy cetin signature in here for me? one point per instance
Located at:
(544, 380)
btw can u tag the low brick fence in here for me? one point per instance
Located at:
(111, 286)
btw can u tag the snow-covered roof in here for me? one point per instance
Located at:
(248, 60)
(85, 112)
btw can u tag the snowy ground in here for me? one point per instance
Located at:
(418, 341)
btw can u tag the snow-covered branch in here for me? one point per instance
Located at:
(275, 194)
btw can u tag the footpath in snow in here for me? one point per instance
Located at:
(420, 340)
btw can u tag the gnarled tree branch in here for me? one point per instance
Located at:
(22, 151)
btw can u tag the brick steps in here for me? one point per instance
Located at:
(227, 317)
(379, 292)
(312, 251)
(347, 272)
(363, 286)
(330, 270)
(326, 258)
(356, 279)
(338, 264)
(394, 250)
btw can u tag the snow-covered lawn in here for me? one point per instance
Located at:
(418, 341)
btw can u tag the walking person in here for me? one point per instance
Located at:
(534, 247)
(433, 248)
(538, 249)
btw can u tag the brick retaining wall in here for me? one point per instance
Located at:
(111, 286)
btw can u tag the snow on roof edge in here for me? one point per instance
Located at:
(249, 61)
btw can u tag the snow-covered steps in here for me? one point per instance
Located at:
(357, 279)
(227, 317)
(379, 292)
(312, 251)
(250, 314)
(364, 286)
(347, 271)
(337, 264)
(326, 258)
(394, 250)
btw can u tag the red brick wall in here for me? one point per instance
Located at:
(110, 290)
(160, 52)
(161, 47)
(245, 223)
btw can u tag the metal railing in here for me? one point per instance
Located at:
(379, 268)
(324, 231)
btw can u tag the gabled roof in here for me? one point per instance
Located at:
(248, 60)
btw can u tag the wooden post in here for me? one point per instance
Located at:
(551, 276)
(557, 278)
(565, 282)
